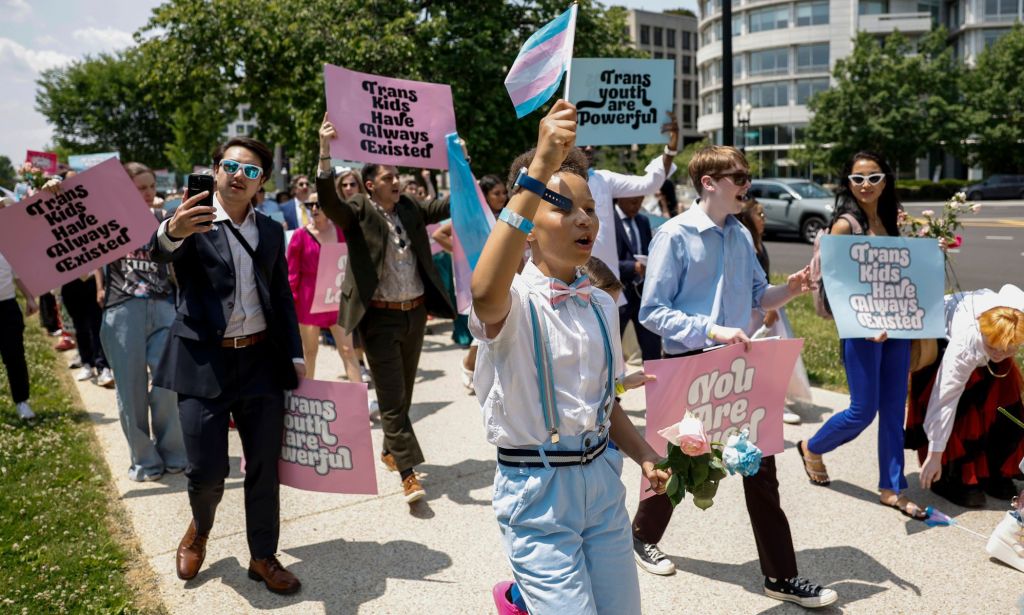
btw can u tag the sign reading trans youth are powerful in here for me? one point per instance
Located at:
(621, 101)
(388, 121)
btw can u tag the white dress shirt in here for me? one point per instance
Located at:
(246, 314)
(505, 379)
(606, 186)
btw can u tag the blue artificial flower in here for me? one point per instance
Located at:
(740, 455)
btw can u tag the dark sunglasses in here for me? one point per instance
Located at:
(312, 204)
(740, 178)
(349, 185)
(231, 167)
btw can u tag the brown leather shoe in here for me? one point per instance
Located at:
(191, 553)
(271, 572)
(412, 488)
(389, 462)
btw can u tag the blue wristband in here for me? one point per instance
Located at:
(515, 220)
(537, 187)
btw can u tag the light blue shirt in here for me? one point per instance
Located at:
(699, 275)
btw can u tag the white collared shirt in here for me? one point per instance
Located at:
(506, 374)
(246, 314)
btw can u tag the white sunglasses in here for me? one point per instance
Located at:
(874, 179)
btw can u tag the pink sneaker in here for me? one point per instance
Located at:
(504, 606)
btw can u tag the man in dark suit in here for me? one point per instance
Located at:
(390, 286)
(632, 238)
(233, 350)
(294, 210)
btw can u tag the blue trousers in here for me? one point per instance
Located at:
(877, 376)
(134, 334)
(567, 536)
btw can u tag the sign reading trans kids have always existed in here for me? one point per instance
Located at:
(388, 121)
(890, 284)
(95, 218)
(621, 101)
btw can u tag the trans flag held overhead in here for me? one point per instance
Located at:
(538, 69)
(472, 221)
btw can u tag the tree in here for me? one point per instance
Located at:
(223, 53)
(995, 100)
(99, 104)
(7, 173)
(891, 98)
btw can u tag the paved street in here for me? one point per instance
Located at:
(370, 554)
(992, 253)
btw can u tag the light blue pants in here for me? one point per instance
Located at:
(133, 335)
(567, 536)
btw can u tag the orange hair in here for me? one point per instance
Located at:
(1002, 327)
(712, 160)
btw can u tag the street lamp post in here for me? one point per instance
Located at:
(743, 110)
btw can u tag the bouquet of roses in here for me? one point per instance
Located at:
(943, 226)
(698, 465)
(32, 175)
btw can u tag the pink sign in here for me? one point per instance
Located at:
(96, 217)
(726, 388)
(435, 248)
(387, 120)
(47, 161)
(330, 273)
(326, 445)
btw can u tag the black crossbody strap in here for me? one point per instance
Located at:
(245, 244)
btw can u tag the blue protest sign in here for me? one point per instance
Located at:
(891, 284)
(621, 101)
(87, 161)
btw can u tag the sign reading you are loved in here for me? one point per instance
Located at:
(621, 101)
(94, 218)
(330, 274)
(388, 121)
(891, 284)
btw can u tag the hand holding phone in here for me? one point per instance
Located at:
(196, 212)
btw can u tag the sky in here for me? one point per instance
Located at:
(39, 34)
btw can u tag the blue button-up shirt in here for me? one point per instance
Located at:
(699, 275)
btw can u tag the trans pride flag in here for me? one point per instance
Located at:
(472, 221)
(538, 69)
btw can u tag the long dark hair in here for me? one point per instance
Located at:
(889, 205)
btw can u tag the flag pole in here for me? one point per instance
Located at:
(572, 42)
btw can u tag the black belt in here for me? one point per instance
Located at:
(530, 458)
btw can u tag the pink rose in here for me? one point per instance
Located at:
(975, 208)
(923, 231)
(956, 243)
(688, 434)
(928, 213)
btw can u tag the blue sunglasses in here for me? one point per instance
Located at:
(231, 167)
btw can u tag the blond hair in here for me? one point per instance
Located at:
(1002, 327)
(712, 160)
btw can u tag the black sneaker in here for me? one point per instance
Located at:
(650, 558)
(800, 591)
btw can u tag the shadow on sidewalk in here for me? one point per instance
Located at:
(339, 574)
(458, 481)
(175, 483)
(852, 573)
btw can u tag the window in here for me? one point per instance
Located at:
(812, 58)
(989, 37)
(687, 116)
(811, 14)
(672, 56)
(712, 103)
(686, 41)
(658, 55)
(670, 38)
(769, 95)
(770, 61)
(737, 65)
(737, 25)
(645, 35)
(687, 89)
(1000, 10)
(658, 37)
(873, 7)
(687, 64)
(772, 18)
(806, 88)
(239, 129)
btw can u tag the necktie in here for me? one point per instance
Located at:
(635, 236)
(579, 291)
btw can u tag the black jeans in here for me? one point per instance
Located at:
(258, 409)
(392, 340)
(80, 299)
(12, 348)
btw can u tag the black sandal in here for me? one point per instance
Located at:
(817, 476)
(919, 515)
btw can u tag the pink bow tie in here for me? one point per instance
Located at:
(579, 291)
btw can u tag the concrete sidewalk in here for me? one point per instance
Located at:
(372, 554)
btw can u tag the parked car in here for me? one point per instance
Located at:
(793, 205)
(997, 187)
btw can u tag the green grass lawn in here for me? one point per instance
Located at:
(821, 343)
(64, 541)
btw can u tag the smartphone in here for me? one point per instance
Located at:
(198, 182)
